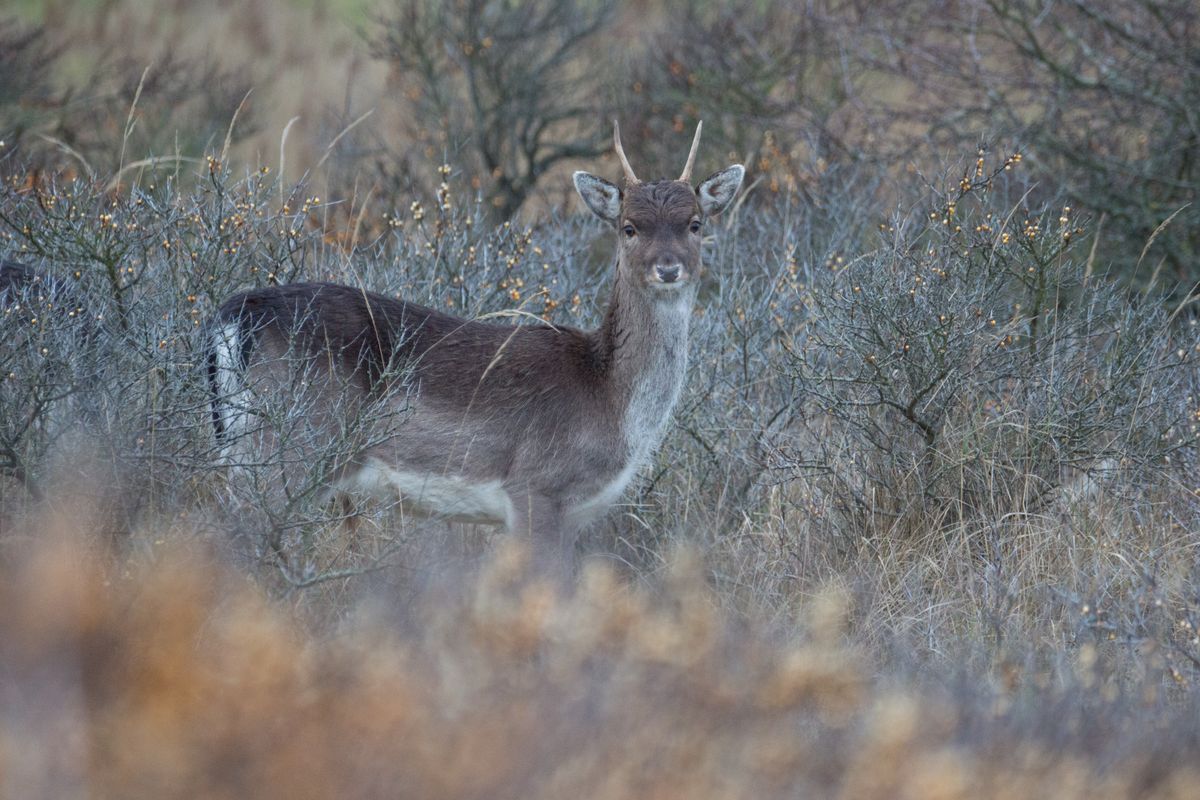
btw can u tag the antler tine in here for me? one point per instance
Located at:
(630, 177)
(687, 168)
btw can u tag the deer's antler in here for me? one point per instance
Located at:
(687, 168)
(630, 177)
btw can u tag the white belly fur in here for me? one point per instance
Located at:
(450, 496)
(458, 498)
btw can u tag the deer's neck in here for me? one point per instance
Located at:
(645, 340)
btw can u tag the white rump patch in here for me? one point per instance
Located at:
(233, 397)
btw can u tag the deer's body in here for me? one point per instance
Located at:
(537, 427)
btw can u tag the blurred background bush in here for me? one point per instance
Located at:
(1101, 98)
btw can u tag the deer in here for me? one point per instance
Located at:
(536, 427)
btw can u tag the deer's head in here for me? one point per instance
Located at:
(659, 225)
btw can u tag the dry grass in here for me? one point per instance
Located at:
(307, 64)
(164, 673)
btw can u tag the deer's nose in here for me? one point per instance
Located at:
(668, 273)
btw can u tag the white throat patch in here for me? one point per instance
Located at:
(657, 389)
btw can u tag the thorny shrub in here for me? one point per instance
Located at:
(47, 366)
(850, 403)
(972, 366)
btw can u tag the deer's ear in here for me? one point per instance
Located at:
(717, 190)
(602, 197)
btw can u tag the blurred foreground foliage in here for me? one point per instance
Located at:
(164, 675)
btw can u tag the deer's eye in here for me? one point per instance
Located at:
(695, 226)
(628, 231)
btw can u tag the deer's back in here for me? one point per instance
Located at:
(449, 359)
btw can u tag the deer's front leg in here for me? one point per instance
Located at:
(542, 519)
